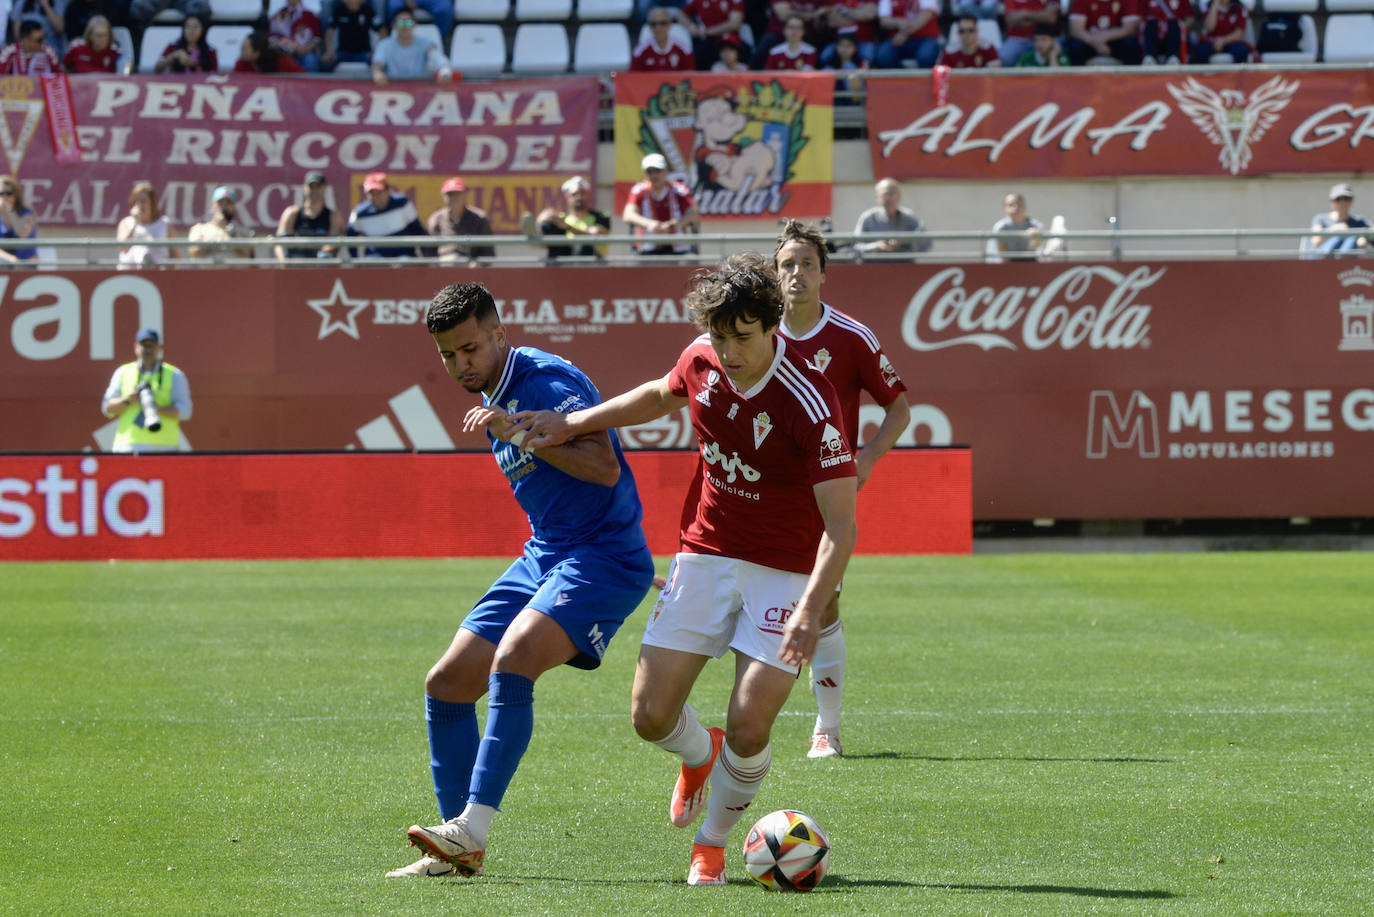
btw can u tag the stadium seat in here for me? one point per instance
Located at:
(125, 40)
(478, 49)
(1307, 47)
(227, 41)
(169, 16)
(619, 10)
(601, 47)
(542, 10)
(237, 11)
(481, 10)
(155, 39)
(1290, 6)
(540, 47)
(1351, 6)
(353, 70)
(428, 31)
(1349, 37)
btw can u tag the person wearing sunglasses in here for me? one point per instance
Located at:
(403, 56)
(662, 51)
(16, 221)
(972, 51)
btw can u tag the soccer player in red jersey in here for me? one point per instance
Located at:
(849, 355)
(769, 542)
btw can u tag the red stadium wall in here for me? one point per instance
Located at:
(65, 507)
(1089, 391)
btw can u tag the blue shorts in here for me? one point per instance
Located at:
(588, 592)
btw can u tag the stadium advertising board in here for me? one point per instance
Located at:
(1246, 121)
(73, 507)
(1120, 390)
(747, 145)
(512, 142)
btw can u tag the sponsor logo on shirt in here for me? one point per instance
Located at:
(704, 396)
(775, 619)
(834, 451)
(731, 464)
(890, 377)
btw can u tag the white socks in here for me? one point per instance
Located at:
(689, 740)
(734, 784)
(827, 677)
(477, 818)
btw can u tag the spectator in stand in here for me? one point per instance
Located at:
(256, 55)
(441, 11)
(850, 68)
(855, 20)
(1023, 17)
(190, 53)
(348, 28)
(731, 58)
(662, 52)
(402, 56)
(710, 22)
(312, 217)
(794, 53)
(222, 225)
(295, 31)
(16, 222)
(1010, 244)
(1104, 28)
(1045, 51)
(385, 212)
(30, 55)
(1224, 31)
(146, 229)
(888, 216)
(456, 218)
(659, 207)
(972, 52)
(95, 52)
(1339, 217)
(576, 219)
(1167, 23)
(814, 13)
(50, 14)
(141, 13)
(913, 28)
(79, 13)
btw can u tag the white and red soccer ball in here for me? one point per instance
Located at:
(787, 850)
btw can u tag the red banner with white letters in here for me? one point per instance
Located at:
(512, 142)
(1067, 123)
(1099, 391)
(55, 507)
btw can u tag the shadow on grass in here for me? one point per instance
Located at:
(905, 756)
(841, 882)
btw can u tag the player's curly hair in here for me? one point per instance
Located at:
(744, 288)
(458, 302)
(797, 231)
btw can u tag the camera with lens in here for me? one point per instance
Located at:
(152, 421)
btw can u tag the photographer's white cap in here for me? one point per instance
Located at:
(576, 183)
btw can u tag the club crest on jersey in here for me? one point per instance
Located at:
(834, 450)
(889, 371)
(822, 359)
(512, 405)
(763, 425)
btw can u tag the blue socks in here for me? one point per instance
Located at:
(510, 722)
(453, 741)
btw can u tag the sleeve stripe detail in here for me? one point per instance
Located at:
(805, 392)
(858, 329)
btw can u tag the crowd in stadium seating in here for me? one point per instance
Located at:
(849, 36)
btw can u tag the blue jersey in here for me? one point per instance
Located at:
(563, 511)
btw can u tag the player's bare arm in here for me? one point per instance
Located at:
(897, 415)
(836, 499)
(588, 458)
(647, 402)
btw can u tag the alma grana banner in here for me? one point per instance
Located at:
(1090, 391)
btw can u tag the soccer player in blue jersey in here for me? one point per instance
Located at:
(584, 570)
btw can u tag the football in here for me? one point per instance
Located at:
(787, 850)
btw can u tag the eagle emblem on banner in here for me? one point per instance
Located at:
(1232, 121)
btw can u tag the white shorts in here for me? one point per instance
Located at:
(711, 604)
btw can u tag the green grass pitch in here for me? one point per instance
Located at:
(1121, 734)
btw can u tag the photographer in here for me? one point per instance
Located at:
(151, 399)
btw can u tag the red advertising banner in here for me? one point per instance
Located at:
(1247, 121)
(55, 507)
(747, 145)
(1087, 391)
(513, 143)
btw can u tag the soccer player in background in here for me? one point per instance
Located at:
(761, 557)
(849, 355)
(585, 568)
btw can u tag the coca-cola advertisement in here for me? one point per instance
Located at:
(1086, 391)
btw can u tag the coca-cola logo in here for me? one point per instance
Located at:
(1072, 310)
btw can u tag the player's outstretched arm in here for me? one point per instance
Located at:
(836, 499)
(639, 405)
(893, 425)
(589, 458)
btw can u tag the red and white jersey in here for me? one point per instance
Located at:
(780, 57)
(860, 31)
(676, 200)
(649, 58)
(1231, 19)
(1104, 14)
(908, 9)
(849, 355)
(14, 61)
(959, 59)
(804, 8)
(711, 13)
(1026, 29)
(1165, 10)
(82, 58)
(296, 24)
(762, 452)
